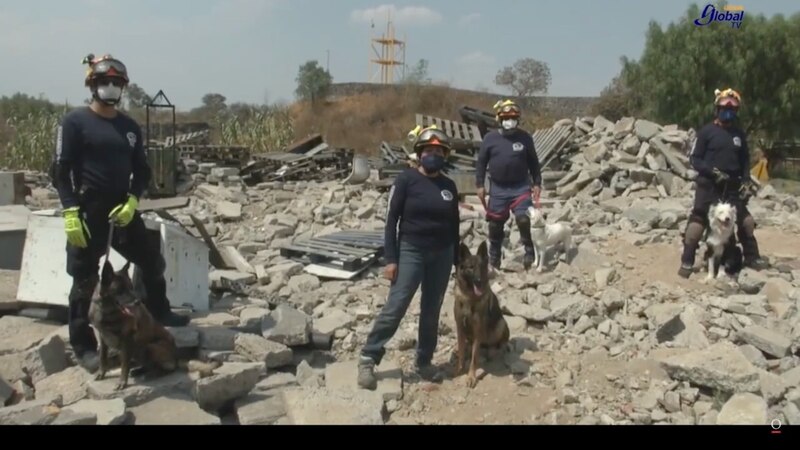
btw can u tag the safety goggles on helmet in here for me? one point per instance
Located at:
(508, 110)
(106, 67)
(432, 137)
(727, 97)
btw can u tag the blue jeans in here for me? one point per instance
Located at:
(415, 266)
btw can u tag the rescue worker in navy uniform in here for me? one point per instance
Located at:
(721, 157)
(515, 176)
(100, 171)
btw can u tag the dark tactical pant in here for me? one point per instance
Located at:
(504, 201)
(415, 266)
(706, 194)
(133, 243)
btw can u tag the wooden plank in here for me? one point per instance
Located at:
(150, 204)
(214, 256)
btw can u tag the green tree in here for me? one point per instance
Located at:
(526, 77)
(682, 64)
(617, 100)
(135, 97)
(313, 82)
(418, 74)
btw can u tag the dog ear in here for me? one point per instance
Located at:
(125, 268)
(108, 275)
(483, 251)
(463, 252)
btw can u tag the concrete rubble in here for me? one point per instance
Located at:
(606, 334)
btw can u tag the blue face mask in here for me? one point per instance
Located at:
(432, 163)
(727, 115)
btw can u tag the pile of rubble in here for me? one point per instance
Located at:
(290, 307)
(609, 159)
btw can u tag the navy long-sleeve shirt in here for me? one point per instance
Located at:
(426, 208)
(512, 159)
(101, 154)
(722, 148)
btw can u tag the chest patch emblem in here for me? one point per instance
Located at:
(737, 141)
(447, 195)
(517, 146)
(131, 138)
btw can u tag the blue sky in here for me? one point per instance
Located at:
(250, 50)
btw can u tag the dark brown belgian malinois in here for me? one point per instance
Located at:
(125, 325)
(479, 320)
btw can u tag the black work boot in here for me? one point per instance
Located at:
(757, 263)
(686, 270)
(428, 372)
(529, 257)
(158, 304)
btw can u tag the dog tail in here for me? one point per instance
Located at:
(204, 368)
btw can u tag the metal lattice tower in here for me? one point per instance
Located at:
(390, 56)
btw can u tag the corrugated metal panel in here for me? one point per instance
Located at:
(550, 141)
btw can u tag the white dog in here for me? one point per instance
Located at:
(546, 235)
(721, 225)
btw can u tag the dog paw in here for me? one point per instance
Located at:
(120, 386)
(472, 381)
(100, 376)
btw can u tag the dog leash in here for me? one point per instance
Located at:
(506, 211)
(110, 237)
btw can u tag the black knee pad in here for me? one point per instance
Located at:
(749, 226)
(83, 289)
(694, 231)
(496, 232)
(523, 221)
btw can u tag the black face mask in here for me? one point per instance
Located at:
(432, 163)
(726, 115)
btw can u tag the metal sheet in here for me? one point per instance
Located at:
(187, 268)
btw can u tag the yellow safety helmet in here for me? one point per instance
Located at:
(727, 97)
(506, 108)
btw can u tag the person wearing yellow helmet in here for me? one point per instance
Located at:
(100, 171)
(721, 157)
(515, 177)
(421, 248)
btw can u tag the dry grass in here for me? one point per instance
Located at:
(362, 121)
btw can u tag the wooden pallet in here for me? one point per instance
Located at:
(348, 250)
(456, 130)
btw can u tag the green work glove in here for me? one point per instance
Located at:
(123, 214)
(76, 229)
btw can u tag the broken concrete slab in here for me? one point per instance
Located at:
(233, 258)
(71, 384)
(276, 381)
(13, 188)
(773, 387)
(43, 279)
(217, 338)
(321, 406)
(229, 382)
(108, 412)
(172, 410)
(68, 417)
(343, 375)
(229, 211)
(139, 391)
(743, 409)
(720, 366)
(260, 408)
(766, 340)
(258, 349)
(47, 358)
(6, 392)
(287, 325)
(18, 334)
(36, 412)
(332, 321)
(9, 281)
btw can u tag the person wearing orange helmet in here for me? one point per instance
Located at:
(100, 171)
(421, 248)
(721, 157)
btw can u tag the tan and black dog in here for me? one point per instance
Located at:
(125, 325)
(479, 319)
